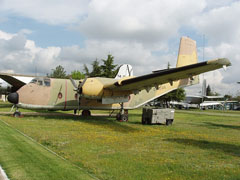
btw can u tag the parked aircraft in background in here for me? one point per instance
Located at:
(116, 94)
(197, 99)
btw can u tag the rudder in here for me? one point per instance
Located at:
(187, 53)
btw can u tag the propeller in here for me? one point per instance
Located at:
(78, 89)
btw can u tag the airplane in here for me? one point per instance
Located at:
(197, 99)
(122, 94)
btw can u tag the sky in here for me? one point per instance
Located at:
(38, 35)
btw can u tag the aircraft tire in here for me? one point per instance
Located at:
(124, 117)
(16, 114)
(86, 113)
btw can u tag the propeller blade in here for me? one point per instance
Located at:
(82, 83)
(74, 84)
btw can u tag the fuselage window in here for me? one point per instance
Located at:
(34, 81)
(41, 82)
(47, 82)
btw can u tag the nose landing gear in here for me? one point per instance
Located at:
(17, 113)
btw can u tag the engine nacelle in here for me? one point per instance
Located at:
(92, 89)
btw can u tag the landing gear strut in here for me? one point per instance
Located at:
(122, 115)
(17, 113)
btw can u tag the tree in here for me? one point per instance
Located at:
(96, 69)
(86, 70)
(175, 95)
(108, 68)
(77, 75)
(58, 72)
(208, 91)
(228, 97)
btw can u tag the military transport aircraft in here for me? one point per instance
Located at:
(116, 94)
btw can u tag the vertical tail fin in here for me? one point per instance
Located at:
(125, 70)
(204, 88)
(187, 55)
(187, 52)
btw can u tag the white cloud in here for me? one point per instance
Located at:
(51, 12)
(5, 36)
(219, 24)
(138, 20)
(21, 55)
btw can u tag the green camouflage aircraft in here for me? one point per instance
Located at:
(122, 94)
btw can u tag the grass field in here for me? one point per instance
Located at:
(196, 146)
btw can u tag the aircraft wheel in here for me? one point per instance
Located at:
(124, 117)
(16, 114)
(86, 113)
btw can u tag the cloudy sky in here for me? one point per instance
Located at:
(38, 35)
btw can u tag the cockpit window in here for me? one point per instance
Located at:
(47, 82)
(34, 81)
(41, 81)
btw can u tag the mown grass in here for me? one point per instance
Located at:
(194, 147)
(24, 159)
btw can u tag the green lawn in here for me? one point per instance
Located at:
(196, 146)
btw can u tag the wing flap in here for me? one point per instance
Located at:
(169, 75)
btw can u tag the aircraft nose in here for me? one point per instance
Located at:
(13, 98)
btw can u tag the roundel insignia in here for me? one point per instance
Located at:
(59, 95)
(76, 96)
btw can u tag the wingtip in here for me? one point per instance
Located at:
(220, 61)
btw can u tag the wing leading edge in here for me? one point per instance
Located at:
(169, 75)
(14, 80)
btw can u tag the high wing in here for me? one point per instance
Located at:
(168, 75)
(16, 80)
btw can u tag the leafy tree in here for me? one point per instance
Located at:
(228, 97)
(86, 70)
(209, 91)
(96, 69)
(175, 95)
(108, 68)
(168, 65)
(58, 72)
(77, 75)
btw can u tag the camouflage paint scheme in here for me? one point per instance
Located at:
(60, 95)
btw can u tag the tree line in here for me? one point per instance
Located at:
(107, 69)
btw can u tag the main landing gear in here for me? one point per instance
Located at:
(122, 115)
(86, 113)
